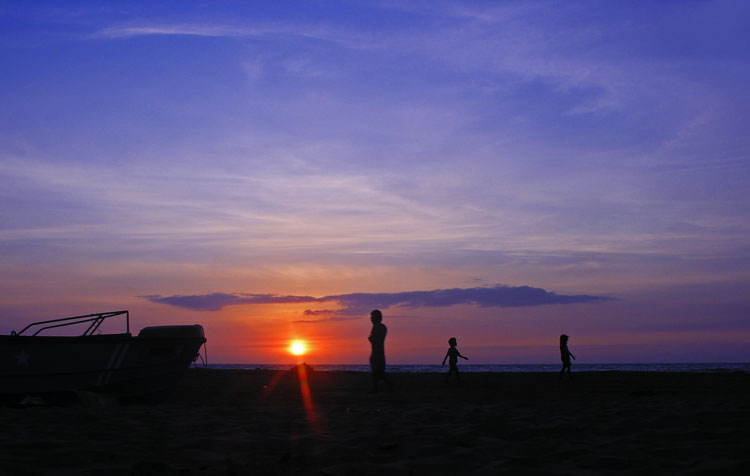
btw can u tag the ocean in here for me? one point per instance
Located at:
(655, 367)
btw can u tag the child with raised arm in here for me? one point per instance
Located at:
(565, 356)
(452, 355)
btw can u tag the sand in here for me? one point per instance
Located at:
(238, 422)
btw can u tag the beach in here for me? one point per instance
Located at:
(238, 422)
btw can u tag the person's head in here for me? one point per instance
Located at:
(376, 316)
(563, 339)
(452, 342)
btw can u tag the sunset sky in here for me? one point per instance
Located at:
(501, 172)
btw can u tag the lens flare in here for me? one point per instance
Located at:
(297, 347)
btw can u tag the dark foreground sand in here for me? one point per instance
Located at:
(229, 422)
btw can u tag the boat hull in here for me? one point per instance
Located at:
(130, 367)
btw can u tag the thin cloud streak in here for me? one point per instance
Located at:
(316, 31)
(171, 30)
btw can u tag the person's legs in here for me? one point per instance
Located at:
(566, 366)
(384, 378)
(377, 365)
(375, 378)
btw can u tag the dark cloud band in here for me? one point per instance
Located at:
(359, 303)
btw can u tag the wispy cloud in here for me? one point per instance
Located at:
(129, 31)
(359, 303)
(288, 29)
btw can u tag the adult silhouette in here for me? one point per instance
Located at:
(377, 357)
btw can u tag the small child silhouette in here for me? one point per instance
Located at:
(452, 355)
(565, 356)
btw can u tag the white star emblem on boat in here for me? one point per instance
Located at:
(22, 358)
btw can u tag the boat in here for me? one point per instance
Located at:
(138, 368)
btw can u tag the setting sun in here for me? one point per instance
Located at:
(297, 347)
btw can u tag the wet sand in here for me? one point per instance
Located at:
(239, 422)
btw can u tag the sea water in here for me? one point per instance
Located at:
(654, 367)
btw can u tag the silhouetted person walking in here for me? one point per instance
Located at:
(377, 357)
(452, 355)
(565, 356)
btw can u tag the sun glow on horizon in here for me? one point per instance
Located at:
(297, 347)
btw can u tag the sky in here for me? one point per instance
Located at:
(498, 172)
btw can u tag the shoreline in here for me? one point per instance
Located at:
(236, 422)
(504, 368)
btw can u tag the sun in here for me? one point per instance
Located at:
(297, 347)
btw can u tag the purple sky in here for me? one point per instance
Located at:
(156, 155)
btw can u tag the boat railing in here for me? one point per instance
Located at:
(94, 320)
